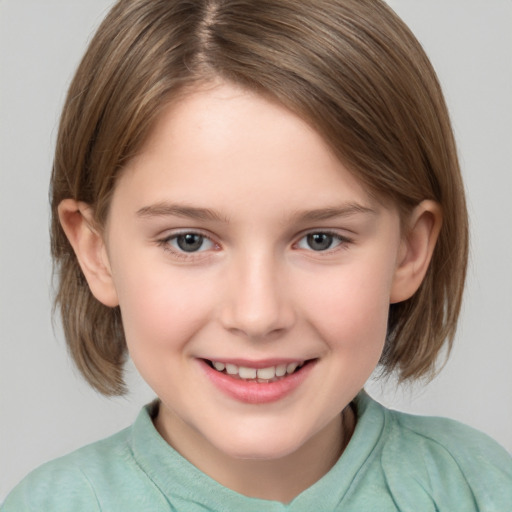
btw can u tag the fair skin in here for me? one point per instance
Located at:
(237, 237)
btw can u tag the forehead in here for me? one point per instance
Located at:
(232, 146)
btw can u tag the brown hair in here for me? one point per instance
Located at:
(350, 68)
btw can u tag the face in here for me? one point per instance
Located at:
(253, 273)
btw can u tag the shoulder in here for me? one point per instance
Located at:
(470, 448)
(70, 483)
(451, 461)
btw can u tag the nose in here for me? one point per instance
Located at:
(256, 303)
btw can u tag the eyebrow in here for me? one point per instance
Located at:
(164, 209)
(345, 210)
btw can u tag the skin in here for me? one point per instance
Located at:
(254, 180)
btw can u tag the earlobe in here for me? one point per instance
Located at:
(77, 222)
(416, 250)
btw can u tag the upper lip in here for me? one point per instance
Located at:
(260, 363)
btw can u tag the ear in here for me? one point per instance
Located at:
(77, 222)
(417, 247)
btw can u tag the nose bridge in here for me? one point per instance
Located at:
(257, 304)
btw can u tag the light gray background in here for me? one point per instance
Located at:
(45, 408)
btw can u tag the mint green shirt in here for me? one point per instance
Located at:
(394, 462)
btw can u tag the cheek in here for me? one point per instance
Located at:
(352, 312)
(161, 308)
(161, 317)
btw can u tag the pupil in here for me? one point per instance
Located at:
(319, 241)
(189, 242)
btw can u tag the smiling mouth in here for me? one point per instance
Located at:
(260, 375)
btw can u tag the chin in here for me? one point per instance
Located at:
(251, 446)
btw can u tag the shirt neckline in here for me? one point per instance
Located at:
(176, 476)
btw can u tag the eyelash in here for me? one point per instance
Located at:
(343, 241)
(165, 243)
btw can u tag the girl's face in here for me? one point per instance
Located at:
(254, 276)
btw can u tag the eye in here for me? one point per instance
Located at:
(189, 242)
(320, 241)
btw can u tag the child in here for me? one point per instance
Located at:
(261, 202)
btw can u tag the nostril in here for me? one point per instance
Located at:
(254, 304)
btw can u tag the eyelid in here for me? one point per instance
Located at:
(344, 241)
(163, 241)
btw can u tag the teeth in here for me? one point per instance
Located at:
(280, 370)
(245, 372)
(290, 368)
(232, 369)
(267, 373)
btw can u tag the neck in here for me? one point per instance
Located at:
(279, 479)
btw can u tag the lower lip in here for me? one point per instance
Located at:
(255, 392)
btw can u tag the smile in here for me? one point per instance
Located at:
(257, 385)
(261, 375)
